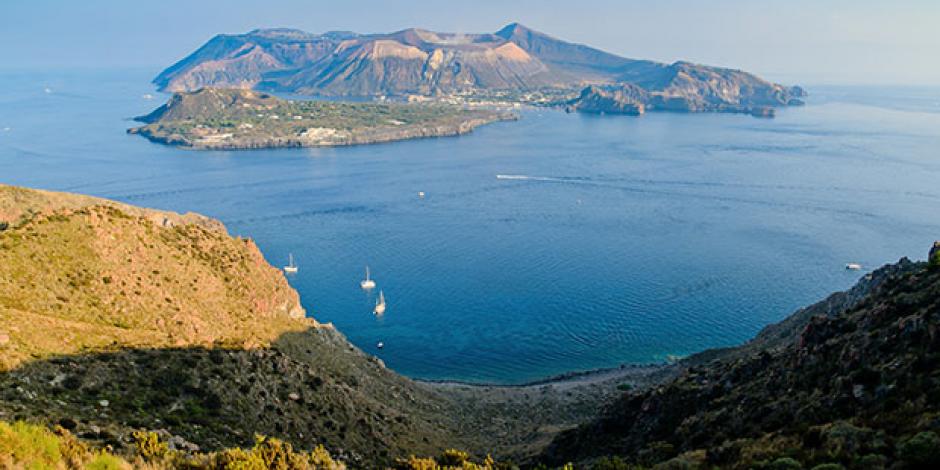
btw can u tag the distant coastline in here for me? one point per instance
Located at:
(237, 119)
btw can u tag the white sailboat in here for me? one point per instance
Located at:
(380, 304)
(367, 283)
(291, 267)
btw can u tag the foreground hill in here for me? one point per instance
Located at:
(853, 381)
(212, 118)
(514, 63)
(115, 318)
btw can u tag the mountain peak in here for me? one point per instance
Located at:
(513, 29)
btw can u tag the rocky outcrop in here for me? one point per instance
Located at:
(625, 99)
(686, 87)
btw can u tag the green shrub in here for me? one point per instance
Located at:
(784, 463)
(149, 446)
(830, 466)
(237, 459)
(105, 461)
(873, 462)
(28, 445)
(453, 458)
(921, 450)
(610, 463)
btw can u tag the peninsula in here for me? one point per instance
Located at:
(230, 118)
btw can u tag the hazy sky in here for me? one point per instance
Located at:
(796, 41)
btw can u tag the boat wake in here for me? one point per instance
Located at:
(532, 178)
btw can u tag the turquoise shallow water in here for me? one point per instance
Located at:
(617, 240)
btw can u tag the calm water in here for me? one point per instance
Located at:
(628, 240)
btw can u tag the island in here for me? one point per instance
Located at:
(234, 118)
(515, 65)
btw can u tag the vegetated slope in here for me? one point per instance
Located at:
(860, 388)
(421, 62)
(114, 318)
(216, 118)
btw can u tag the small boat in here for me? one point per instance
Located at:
(291, 267)
(421, 194)
(853, 266)
(367, 283)
(380, 345)
(380, 304)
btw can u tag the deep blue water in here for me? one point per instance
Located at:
(633, 239)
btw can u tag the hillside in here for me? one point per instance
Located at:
(852, 381)
(212, 118)
(115, 318)
(514, 64)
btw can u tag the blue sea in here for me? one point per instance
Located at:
(608, 240)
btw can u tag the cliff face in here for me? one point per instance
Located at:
(857, 385)
(625, 99)
(420, 62)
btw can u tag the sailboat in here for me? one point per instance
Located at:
(380, 304)
(291, 267)
(367, 283)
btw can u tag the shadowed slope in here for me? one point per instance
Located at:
(852, 387)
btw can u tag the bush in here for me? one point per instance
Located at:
(237, 459)
(29, 446)
(277, 454)
(105, 461)
(453, 458)
(784, 463)
(873, 462)
(921, 450)
(830, 466)
(610, 463)
(149, 446)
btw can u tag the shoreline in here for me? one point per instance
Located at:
(367, 136)
(578, 377)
